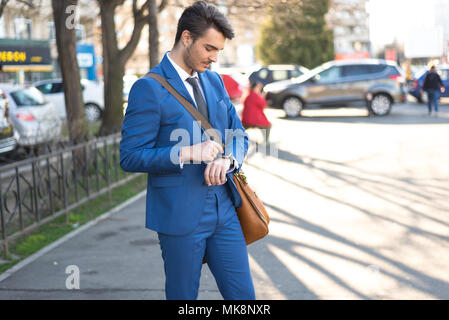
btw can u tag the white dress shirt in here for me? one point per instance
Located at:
(184, 76)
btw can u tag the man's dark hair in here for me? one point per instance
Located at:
(199, 17)
(253, 84)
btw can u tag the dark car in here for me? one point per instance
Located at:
(417, 84)
(376, 83)
(279, 72)
(8, 142)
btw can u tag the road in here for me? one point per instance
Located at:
(359, 210)
(359, 205)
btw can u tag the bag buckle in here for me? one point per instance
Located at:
(241, 176)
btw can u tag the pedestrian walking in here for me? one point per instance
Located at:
(433, 86)
(191, 196)
(253, 115)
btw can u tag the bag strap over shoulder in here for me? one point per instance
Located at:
(187, 105)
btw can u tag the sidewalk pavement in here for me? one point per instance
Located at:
(359, 220)
(117, 259)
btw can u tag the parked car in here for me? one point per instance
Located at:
(279, 72)
(232, 86)
(92, 96)
(35, 120)
(418, 83)
(128, 81)
(8, 142)
(377, 83)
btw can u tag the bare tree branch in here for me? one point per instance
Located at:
(138, 13)
(140, 19)
(162, 5)
(29, 3)
(2, 6)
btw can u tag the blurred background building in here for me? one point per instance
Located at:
(28, 48)
(349, 21)
(28, 44)
(239, 52)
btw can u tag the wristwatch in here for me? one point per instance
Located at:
(231, 157)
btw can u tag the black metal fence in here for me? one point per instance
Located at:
(39, 189)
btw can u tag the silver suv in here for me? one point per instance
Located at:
(376, 83)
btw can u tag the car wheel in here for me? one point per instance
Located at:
(93, 112)
(380, 105)
(292, 106)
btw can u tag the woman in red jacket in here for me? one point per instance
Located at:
(252, 114)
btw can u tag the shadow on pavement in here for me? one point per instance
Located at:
(424, 193)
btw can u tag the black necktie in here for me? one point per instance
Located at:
(201, 104)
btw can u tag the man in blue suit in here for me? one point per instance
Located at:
(191, 197)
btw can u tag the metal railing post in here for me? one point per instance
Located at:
(36, 208)
(50, 190)
(106, 168)
(5, 241)
(64, 191)
(86, 169)
(19, 198)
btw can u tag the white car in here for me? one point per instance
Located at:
(128, 81)
(92, 96)
(8, 142)
(35, 120)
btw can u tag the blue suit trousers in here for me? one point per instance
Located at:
(219, 238)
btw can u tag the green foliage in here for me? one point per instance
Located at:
(30, 243)
(296, 33)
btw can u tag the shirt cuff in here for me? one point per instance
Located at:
(181, 163)
(234, 164)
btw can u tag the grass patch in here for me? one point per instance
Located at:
(55, 229)
(92, 128)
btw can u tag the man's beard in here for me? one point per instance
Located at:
(187, 58)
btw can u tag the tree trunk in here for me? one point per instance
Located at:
(113, 97)
(3, 4)
(113, 71)
(114, 61)
(153, 34)
(66, 45)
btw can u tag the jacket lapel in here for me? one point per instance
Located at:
(173, 78)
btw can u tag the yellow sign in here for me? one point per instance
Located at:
(35, 68)
(13, 56)
(36, 59)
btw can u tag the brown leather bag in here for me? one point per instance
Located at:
(252, 215)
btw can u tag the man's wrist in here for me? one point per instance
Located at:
(232, 160)
(228, 162)
(185, 153)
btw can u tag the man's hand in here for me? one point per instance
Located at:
(202, 152)
(215, 173)
(442, 89)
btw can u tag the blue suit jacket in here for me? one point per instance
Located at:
(156, 125)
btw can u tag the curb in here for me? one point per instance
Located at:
(6, 274)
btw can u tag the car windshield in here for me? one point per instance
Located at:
(28, 97)
(309, 74)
